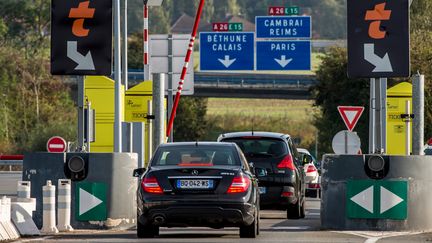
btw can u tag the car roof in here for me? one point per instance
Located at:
(197, 143)
(253, 134)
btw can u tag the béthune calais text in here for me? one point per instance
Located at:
(226, 42)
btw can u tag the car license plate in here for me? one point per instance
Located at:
(195, 184)
(262, 190)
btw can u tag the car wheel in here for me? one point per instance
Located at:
(293, 211)
(250, 231)
(146, 231)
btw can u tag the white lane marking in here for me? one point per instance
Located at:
(374, 236)
(373, 239)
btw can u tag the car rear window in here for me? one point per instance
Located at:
(191, 155)
(260, 146)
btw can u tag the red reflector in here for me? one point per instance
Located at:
(287, 163)
(311, 168)
(429, 142)
(239, 184)
(314, 186)
(287, 194)
(151, 185)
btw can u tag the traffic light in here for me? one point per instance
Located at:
(76, 166)
(376, 166)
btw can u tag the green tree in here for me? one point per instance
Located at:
(190, 123)
(27, 24)
(33, 105)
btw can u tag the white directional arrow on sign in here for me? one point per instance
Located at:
(381, 64)
(87, 201)
(388, 200)
(84, 62)
(283, 61)
(365, 199)
(227, 61)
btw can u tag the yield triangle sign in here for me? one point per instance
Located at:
(87, 201)
(350, 115)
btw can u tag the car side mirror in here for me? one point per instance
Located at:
(259, 172)
(251, 165)
(138, 172)
(307, 159)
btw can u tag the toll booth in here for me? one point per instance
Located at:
(136, 107)
(396, 128)
(99, 90)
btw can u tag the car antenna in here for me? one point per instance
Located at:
(196, 143)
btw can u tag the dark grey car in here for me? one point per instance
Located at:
(278, 167)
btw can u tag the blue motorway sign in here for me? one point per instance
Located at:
(283, 26)
(226, 51)
(283, 55)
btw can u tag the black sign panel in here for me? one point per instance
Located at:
(378, 38)
(81, 36)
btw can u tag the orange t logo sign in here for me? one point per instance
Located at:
(82, 12)
(379, 13)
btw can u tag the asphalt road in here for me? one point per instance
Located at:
(274, 228)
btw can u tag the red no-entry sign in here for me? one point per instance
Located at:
(56, 144)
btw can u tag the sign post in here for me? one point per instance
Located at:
(283, 27)
(284, 55)
(350, 115)
(378, 48)
(289, 47)
(377, 199)
(226, 51)
(81, 34)
(91, 201)
(56, 144)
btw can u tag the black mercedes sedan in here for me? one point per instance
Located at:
(197, 184)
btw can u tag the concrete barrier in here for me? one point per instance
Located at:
(22, 210)
(7, 229)
(338, 171)
(112, 170)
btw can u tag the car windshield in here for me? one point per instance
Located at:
(260, 146)
(192, 155)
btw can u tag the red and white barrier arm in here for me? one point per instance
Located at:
(185, 66)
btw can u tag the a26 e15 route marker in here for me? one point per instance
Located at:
(283, 26)
(226, 51)
(283, 55)
(378, 38)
